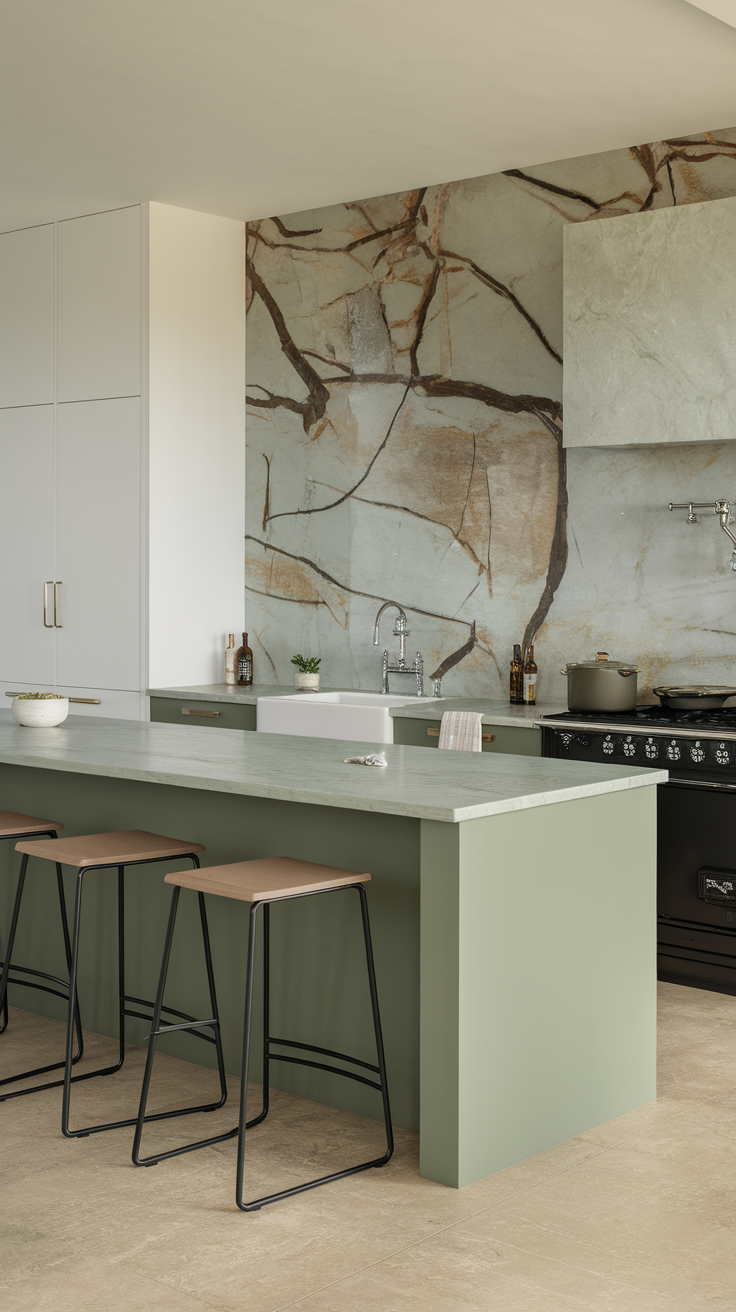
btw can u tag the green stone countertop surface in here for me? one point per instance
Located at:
(494, 712)
(424, 708)
(446, 786)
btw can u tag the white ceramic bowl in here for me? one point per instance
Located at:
(42, 713)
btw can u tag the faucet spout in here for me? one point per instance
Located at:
(401, 622)
(400, 631)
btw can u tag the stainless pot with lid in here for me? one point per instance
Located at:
(600, 685)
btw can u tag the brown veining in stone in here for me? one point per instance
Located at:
(405, 350)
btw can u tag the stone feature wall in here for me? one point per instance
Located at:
(405, 441)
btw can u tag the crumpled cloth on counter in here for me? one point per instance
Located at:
(461, 731)
(376, 758)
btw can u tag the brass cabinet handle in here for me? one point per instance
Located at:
(88, 701)
(433, 732)
(57, 584)
(48, 584)
(207, 715)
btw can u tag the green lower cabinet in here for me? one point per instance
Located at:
(503, 737)
(216, 715)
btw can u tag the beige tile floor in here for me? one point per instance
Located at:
(635, 1216)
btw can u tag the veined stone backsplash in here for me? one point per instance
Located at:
(404, 441)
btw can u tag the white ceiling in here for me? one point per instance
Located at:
(723, 9)
(249, 109)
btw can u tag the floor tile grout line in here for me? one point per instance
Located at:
(471, 1215)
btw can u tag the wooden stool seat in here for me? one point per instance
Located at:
(118, 849)
(269, 879)
(12, 823)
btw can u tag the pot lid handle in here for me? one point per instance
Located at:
(601, 655)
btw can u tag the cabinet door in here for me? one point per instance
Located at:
(98, 544)
(27, 316)
(99, 270)
(26, 543)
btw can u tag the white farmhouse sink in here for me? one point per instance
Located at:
(357, 716)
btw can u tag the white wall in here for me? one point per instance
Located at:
(196, 423)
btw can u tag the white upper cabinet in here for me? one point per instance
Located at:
(650, 327)
(27, 544)
(124, 490)
(27, 316)
(99, 306)
(98, 544)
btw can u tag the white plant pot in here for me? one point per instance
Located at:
(45, 713)
(306, 682)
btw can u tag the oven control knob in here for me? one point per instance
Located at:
(673, 751)
(581, 740)
(723, 756)
(608, 745)
(697, 753)
(629, 746)
(651, 749)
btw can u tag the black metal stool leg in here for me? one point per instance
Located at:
(13, 927)
(376, 1022)
(4, 980)
(68, 955)
(157, 1028)
(70, 1079)
(247, 1026)
(380, 1069)
(213, 999)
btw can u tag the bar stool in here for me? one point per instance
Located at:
(274, 879)
(94, 852)
(15, 825)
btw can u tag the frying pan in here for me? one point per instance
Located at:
(694, 696)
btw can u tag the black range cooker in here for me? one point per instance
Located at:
(696, 829)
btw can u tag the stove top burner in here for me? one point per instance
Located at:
(658, 717)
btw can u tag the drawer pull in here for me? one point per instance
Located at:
(433, 732)
(206, 715)
(86, 701)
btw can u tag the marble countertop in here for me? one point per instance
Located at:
(494, 712)
(220, 692)
(425, 708)
(447, 786)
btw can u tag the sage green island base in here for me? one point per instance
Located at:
(512, 904)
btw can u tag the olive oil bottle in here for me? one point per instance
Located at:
(516, 678)
(244, 664)
(530, 677)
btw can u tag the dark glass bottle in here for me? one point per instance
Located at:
(244, 664)
(516, 680)
(530, 677)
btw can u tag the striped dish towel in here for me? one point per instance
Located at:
(460, 731)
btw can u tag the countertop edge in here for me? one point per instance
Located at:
(639, 778)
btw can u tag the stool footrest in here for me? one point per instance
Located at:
(324, 1052)
(40, 974)
(189, 1023)
(322, 1066)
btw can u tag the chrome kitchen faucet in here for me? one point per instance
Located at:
(401, 632)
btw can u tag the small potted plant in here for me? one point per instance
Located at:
(306, 678)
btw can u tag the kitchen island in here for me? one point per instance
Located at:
(512, 902)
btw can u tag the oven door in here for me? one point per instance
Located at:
(696, 883)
